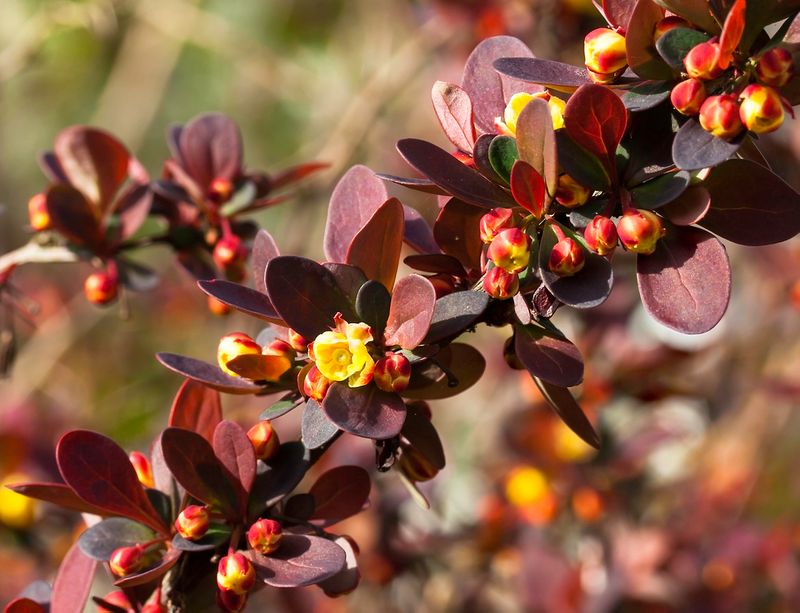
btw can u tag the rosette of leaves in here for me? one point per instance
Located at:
(200, 459)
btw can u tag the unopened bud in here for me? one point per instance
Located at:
(228, 600)
(493, 222)
(508, 123)
(117, 599)
(143, 469)
(639, 231)
(566, 258)
(720, 116)
(761, 110)
(688, 96)
(775, 67)
(667, 24)
(264, 439)
(38, 215)
(101, 287)
(604, 54)
(265, 535)
(500, 284)
(587, 504)
(392, 373)
(601, 235)
(316, 385)
(510, 250)
(570, 193)
(297, 341)
(280, 348)
(126, 561)
(702, 61)
(229, 251)
(192, 523)
(236, 573)
(220, 190)
(232, 346)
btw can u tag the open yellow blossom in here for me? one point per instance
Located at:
(508, 123)
(341, 354)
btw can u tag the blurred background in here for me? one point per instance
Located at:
(692, 504)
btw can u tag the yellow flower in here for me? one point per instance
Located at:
(508, 123)
(341, 354)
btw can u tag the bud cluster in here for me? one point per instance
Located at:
(508, 252)
(605, 55)
(237, 344)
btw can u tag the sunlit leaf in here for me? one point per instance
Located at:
(410, 312)
(196, 407)
(364, 411)
(207, 374)
(548, 356)
(299, 560)
(375, 248)
(454, 111)
(234, 449)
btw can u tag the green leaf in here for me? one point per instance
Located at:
(502, 155)
(581, 165)
(675, 44)
(281, 407)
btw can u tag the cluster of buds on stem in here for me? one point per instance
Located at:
(508, 252)
(272, 361)
(605, 55)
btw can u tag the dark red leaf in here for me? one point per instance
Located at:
(689, 208)
(99, 471)
(73, 582)
(132, 208)
(454, 112)
(751, 205)
(375, 248)
(421, 185)
(451, 175)
(207, 374)
(410, 312)
(58, 494)
(642, 55)
(299, 560)
(153, 573)
(694, 11)
(694, 148)
(306, 295)
(71, 214)
(465, 366)
(549, 357)
(372, 305)
(25, 605)
(618, 13)
(536, 142)
(211, 148)
(285, 470)
(100, 540)
(553, 75)
(295, 173)
(339, 493)
(561, 401)
(356, 197)
(196, 407)
(457, 232)
(315, 427)
(349, 279)
(347, 579)
(264, 249)
(364, 411)
(454, 313)
(417, 233)
(422, 436)
(528, 188)
(686, 283)
(436, 263)
(51, 167)
(241, 298)
(234, 449)
(731, 33)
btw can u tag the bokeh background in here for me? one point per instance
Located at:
(692, 504)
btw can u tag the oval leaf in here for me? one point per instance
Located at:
(661, 190)
(642, 56)
(561, 401)
(211, 148)
(676, 43)
(465, 366)
(340, 493)
(196, 407)
(242, 299)
(528, 188)
(58, 494)
(207, 374)
(73, 582)
(502, 155)
(375, 249)
(410, 312)
(315, 427)
(372, 306)
(454, 111)
(234, 449)
(264, 249)
(457, 231)
(689, 208)
(364, 411)
(536, 142)
(549, 357)
(694, 148)
(100, 540)
(454, 313)
(299, 561)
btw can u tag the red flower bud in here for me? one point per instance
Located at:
(232, 346)
(229, 251)
(236, 573)
(192, 523)
(265, 535)
(118, 599)
(687, 96)
(720, 116)
(510, 250)
(281, 348)
(774, 67)
(220, 190)
(316, 385)
(604, 53)
(667, 24)
(392, 373)
(126, 561)
(217, 307)
(761, 109)
(143, 469)
(228, 600)
(101, 287)
(566, 258)
(570, 193)
(494, 221)
(500, 284)
(297, 341)
(265, 440)
(639, 231)
(601, 235)
(702, 61)
(38, 214)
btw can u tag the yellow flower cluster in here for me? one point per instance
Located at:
(341, 354)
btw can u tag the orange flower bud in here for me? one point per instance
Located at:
(229, 251)
(236, 573)
(510, 250)
(264, 439)
(220, 190)
(118, 599)
(38, 214)
(761, 110)
(232, 346)
(702, 61)
(217, 307)
(587, 504)
(773, 67)
(192, 523)
(280, 347)
(101, 287)
(639, 231)
(566, 258)
(604, 53)
(494, 221)
(500, 284)
(570, 193)
(687, 96)
(143, 469)
(667, 24)
(601, 235)
(228, 600)
(297, 341)
(264, 536)
(720, 116)
(316, 385)
(392, 373)
(126, 561)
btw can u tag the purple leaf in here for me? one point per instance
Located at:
(347, 579)
(457, 231)
(211, 148)
(536, 142)
(58, 494)
(132, 208)
(196, 407)
(561, 401)
(241, 298)
(299, 561)
(264, 249)
(465, 366)
(422, 436)
(553, 75)
(436, 263)
(417, 233)
(421, 185)
(285, 470)
(234, 449)
(364, 411)
(546, 356)
(643, 58)
(454, 313)
(71, 214)
(454, 111)
(689, 208)
(207, 374)
(618, 12)
(375, 248)
(410, 312)
(315, 427)
(340, 493)
(102, 539)
(356, 197)
(73, 582)
(686, 283)
(349, 279)
(51, 168)
(694, 148)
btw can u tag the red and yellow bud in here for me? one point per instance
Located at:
(774, 67)
(761, 109)
(192, 523)
(604, 54)
(392, 373)
(566, 258)
(639, 231)
(118, 599)
(587, 504)
(280, 348)
(264, 439)
(229, 251)
(510, 250)
(228, 600)
(570, 193)
(126, 561)
(601, 235)
(720, 116)
(236, 573)
(494, 222)
(702, 61)
(501, 284)
(316, 385)
(667, 24)
(101, 287)
(38, 215)
(143, 469)
(265, 535)
(217, 307)
(297, 341)
(220, 190)
(688, 96)
(232, 346)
